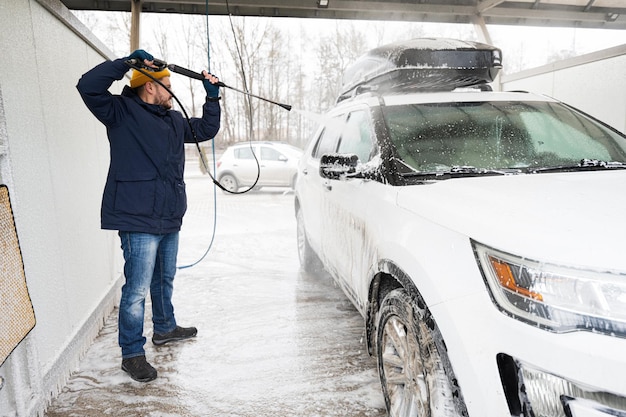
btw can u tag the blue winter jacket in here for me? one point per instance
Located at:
(144, 190)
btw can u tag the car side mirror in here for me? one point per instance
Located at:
(334, 166)
(282, 158)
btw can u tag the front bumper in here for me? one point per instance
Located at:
(575, 407)
(534, 392)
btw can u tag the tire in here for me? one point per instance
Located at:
(309, 261)
(229, 182)
(413, 365)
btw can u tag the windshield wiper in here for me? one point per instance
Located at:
(479, 171)
(457, 172)
(583, 165)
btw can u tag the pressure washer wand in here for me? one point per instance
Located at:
(191, 74)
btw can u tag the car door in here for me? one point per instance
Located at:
(275, 169)
(245, 164)
(345, 209)
(311, 185)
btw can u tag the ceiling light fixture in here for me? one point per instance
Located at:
(322, 4)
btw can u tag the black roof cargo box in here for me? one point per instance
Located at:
(428, 64)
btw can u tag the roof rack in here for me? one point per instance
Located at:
(424, 64)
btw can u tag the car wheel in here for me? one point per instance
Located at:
(308, 258)
(229, 182)
(411, 361)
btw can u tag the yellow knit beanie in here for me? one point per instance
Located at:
(138, 79)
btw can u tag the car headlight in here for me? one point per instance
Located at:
(554, 297)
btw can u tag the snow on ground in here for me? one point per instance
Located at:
(272, 340)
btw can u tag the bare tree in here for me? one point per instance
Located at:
(241, 51)
(274, 72)
(113, 28)
(191, 50)
(259, 56)
(336, 52)
(160, 37)
(214, 49)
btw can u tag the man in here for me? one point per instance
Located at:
(144, 197)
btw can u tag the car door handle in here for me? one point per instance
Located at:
(305, 171)
(327, 186)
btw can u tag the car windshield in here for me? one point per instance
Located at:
(494, 136)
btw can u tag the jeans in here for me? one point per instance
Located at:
(150, 263)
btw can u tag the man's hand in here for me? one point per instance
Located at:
(144, 57)
(210, 84)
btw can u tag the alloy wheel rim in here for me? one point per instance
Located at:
(228, 183)
(405, 377)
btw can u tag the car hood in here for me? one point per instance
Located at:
(574, 219)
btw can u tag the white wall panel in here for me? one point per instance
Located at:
(594, 83)
(54, 161)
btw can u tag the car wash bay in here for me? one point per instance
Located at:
(53, 158)
(272, 340)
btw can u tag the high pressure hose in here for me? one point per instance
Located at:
(159, 65)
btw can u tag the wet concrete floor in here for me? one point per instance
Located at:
(272, 340)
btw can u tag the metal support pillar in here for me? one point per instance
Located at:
(135, 20)
(481, 29)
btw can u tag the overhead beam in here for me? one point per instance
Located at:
(488, 4)
(542, 14)
(588, 6)
(503, 12)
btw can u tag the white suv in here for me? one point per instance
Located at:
(258, 164)
(479, 234)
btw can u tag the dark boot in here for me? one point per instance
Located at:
(179, 333)
(139, 369)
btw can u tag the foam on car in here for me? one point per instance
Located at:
(429, 64)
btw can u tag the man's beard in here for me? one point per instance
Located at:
(166, 104)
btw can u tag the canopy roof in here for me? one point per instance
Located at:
(601, 14)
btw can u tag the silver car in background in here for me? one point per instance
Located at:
(275, 164)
